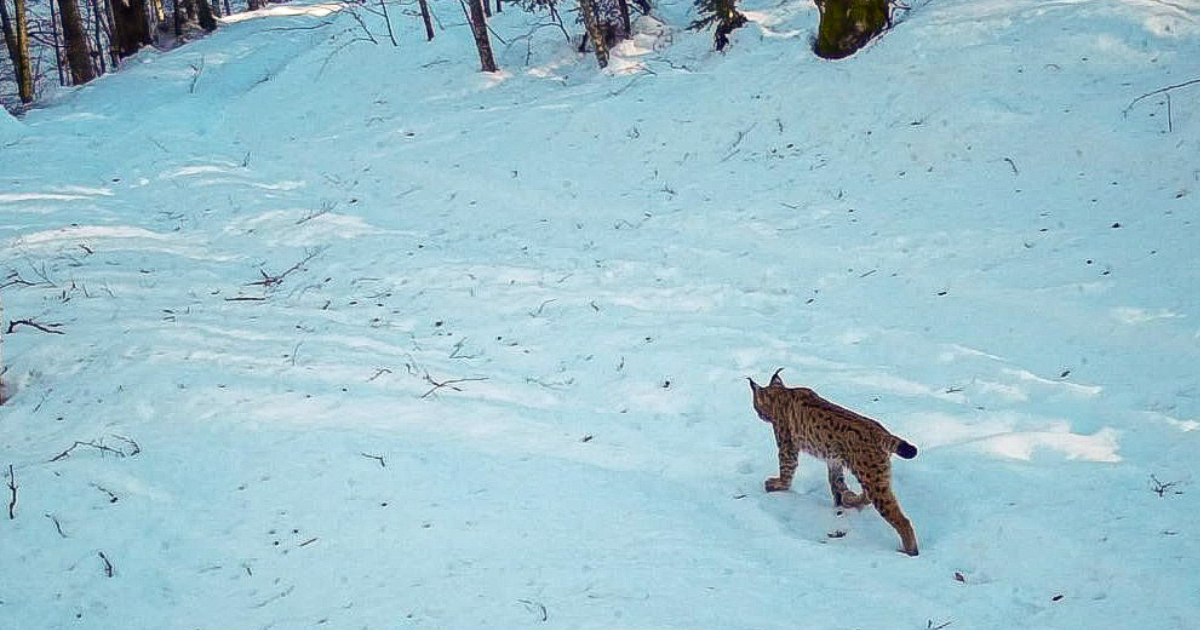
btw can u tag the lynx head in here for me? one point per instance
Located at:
(764, 396)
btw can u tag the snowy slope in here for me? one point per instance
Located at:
(401, 344)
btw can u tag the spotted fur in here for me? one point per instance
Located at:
(804, 421)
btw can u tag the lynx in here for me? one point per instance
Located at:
(804, 421)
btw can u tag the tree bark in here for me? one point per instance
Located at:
(59, 62)
(96, 20)
(425, 17)
(131, 26)
(16, 37)
(204, 14)
(479, 28)
(847, 25)
(75, 38)
(591, 22)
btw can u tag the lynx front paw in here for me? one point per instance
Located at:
(775, 484)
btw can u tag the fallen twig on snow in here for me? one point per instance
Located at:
(1160, 488)
(535, 607)
(108, 566)
(12, 485)
(112, 496)
(270, 282)
(447, 383)
(197, 70)
(46, 328)
(378, 373)
(379, 458)
(57, 525)
(134, 448)
(1125, 112)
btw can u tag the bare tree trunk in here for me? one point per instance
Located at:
(131, 26)
(75, 38)
(16, 37)
(204, 14)
(499, 9)
(847, 25)
(114, 54)
(592, 22)
(424, 17)
(479, 29)
(624, 6)
(58, 56)
(97, 19)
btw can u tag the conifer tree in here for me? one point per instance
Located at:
(724, 14)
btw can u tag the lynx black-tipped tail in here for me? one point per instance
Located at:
(906, 450)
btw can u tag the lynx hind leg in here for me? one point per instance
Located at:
(885, 502)
(842, 495)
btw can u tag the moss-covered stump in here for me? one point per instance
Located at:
(847, 25)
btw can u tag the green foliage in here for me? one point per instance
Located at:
(724, 14)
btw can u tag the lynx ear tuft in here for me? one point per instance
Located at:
(775, 380)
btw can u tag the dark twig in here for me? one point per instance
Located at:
(270, 282)
(57, 525)
(108, 567)
(447, 383)
(15, 279)
(378, 373)
(12, 485)
(197, 71)
(541, 307)
(458, 348)
(46, 328)
(379, 458)
(1125, 112)
(1160, 488)
(112, 496)
(134, 448)
(535, 607)
(326, 208)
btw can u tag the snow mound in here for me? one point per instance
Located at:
(9, 126)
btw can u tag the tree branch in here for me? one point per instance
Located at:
(1125, 112)
(12, 485)
(46, 328)
(447, 383)
(134, 449)
(270, 282)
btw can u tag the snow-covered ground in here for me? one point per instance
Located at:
(372, 340)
